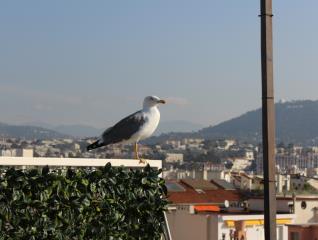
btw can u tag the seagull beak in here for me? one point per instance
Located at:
(162, 101)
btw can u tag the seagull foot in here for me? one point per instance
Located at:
(142, 161)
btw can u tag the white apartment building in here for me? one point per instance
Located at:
(174, 157)
(304, 207)
(19, 152)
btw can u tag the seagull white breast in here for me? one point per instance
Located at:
(152, 116)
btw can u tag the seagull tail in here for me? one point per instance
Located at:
(94, 145)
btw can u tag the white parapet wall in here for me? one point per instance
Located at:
(75, 162)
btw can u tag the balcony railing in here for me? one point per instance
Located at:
(75, 162)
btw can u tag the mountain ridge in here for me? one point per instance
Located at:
(30, 129)
(28, 132)
(296, 122)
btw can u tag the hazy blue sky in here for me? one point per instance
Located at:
(93, 62)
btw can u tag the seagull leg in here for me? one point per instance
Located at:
(137, 155)
(136, 151)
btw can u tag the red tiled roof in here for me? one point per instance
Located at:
(190, 195)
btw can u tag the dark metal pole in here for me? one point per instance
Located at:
(268, 120)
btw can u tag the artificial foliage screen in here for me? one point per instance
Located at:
(105, 203)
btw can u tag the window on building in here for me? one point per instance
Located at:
(294, 236)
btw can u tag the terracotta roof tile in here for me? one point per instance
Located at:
(190, 195)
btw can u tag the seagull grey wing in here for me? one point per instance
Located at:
(107, 130)
(124, 129)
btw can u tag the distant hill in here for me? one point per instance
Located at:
(164, 127)
(74, 130)
(177, 126)
(80, 130)
(28, 132)
(296, 121)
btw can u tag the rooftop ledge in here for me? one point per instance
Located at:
(75, 162)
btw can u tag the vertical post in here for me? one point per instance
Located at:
(268, 120)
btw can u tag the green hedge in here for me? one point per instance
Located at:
(107, 203)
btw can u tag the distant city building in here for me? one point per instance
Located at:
(229, 143)
(287, 161)
(209, 174)
(282, 183)
(16, 152)
(249, 154)
(305, 207)
(240, 163)
(174, 157)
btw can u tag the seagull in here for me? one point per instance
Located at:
(137, 126)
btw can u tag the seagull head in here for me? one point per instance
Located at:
(152, 101)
